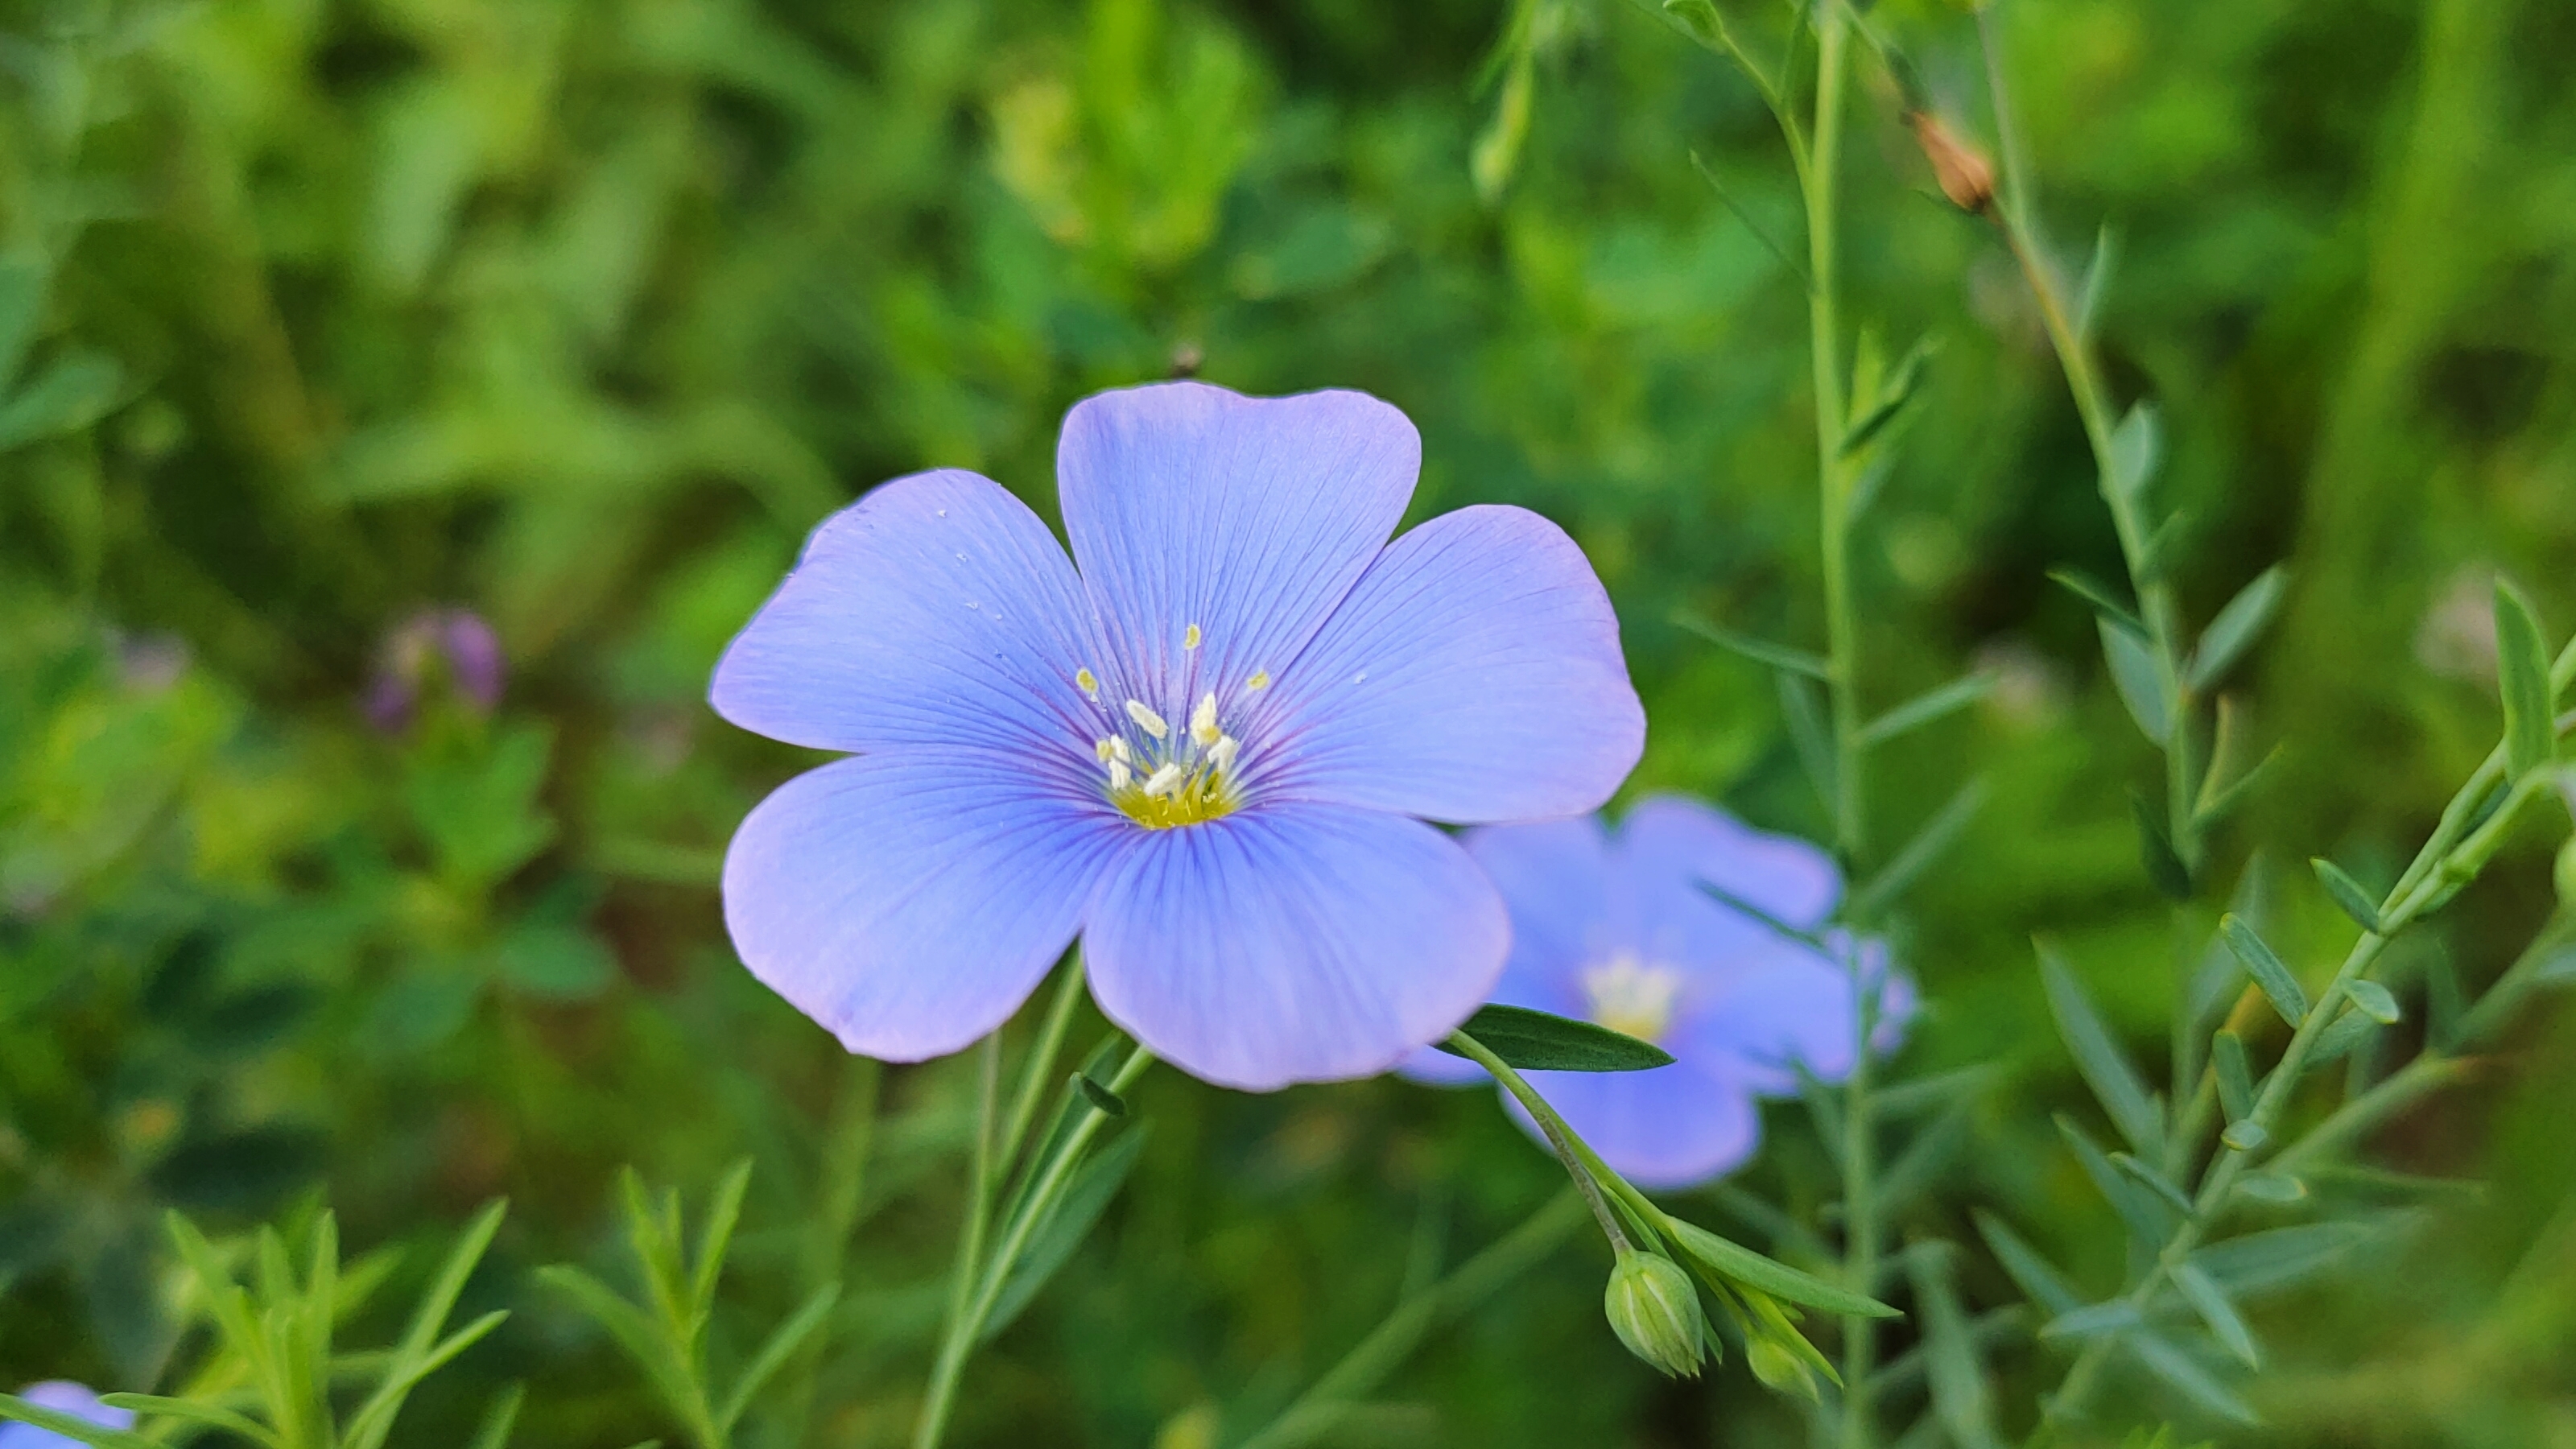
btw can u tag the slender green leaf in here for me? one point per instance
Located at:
(724, 1211)
(2156, 854)
(375, 1418)
(2137, 446)
(1805, 718)
(2279, 1258)
(2148, 1216)
(644, 1340)
(72, 1427)
(2185, 1375)
(500, 1419)
(2140, 682)
(2217, 803)
(2210, 1301)
(1737, 1264)
(2156, 556)
(2287, 996)
(1924, 708)
(2237, 627)
(2340, 1037)
(1728, 199)
(1921, 1163)
(2153, 1181)
(2246, 1136)
(2093, 1320)
(1095, 1184)
(2097, 280)
(2373, 1000)
(2105, 601)
(2235, 1075)
(2037, 1278)
(2115, 1082)
(2348, 894)
(2522, 669)
(1920, 853)
(1824, 1111)
(1109, 1102)
(213, 1416)
(1777, 656)
(2277, 1188)
(1899, 1100)
(72, 393)
(1957, 1374)
(1900, 388)
(781, 1345)
(1539, 1041)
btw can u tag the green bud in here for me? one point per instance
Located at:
(1780, 1369)
(2567, 874)
(1654, 1308)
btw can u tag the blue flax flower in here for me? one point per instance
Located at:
(63, 1397)
(1620, 928)
(1207, 743)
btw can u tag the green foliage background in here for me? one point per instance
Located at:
(580, 312)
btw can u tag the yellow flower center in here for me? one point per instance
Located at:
(1162, 777)
(1628, 995)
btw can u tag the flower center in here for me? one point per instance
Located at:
(1627, 995)
(1163, 777)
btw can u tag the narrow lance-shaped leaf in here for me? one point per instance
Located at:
(1095, 1184)
(1924, 708)
(2348, 894)
(2140, 682)
(2281, 1257)
(2373, 1000)
(2340, 1037)
(2137, 446)
(1760, 651)
(2283, 989)
(1805, 717)
(1540, 1041)
(2094, 1320)
(2184, 1374)
(1739, 1264)
(2522, 671)
(2210, 1301)
(2237, 627)
(2115, 1083)
(212, 1416)
(2037, 1278)
(2149, 1217)
(72, 1426)
(715, 1238)
(773, 1354)
(2235, 1077)
(2153, 1181)
(2106, 601)
(1919, 854)
(2156, 854)
(1959, 1394)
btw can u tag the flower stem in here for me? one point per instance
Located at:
(1587, 1170)
(1833, 478)
(1321, 1408)
(1048, 1179)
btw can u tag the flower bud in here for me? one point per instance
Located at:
(1780, 1369)
(1966, 176)
(1654, 1308)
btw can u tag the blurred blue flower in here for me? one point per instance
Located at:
(1621, 928)
(63, 1397)
(459, 643)
(1209, 752)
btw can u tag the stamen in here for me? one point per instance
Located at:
(1118, 751)
(1203, 721)
(1120, 777)
(1150, 722)
(1190, 637)
(1258, 682)
(1221, 754)
(1088, 683)
(1163, 781)
(1107, 749)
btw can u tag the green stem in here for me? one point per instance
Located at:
(1587, 1170)
(844, 1179)
(1047, 1185)
(1319, 1410)
(1038, 1072)
(970, 1247)
(1833, 479)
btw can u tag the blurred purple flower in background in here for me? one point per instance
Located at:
(458, 643)
(63, 1397)
(1619, 928)
(1209, 752)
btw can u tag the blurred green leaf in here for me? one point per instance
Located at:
(2236, 628)
(2522, 664)
(2269, 972)
(2115, 1083)
(1539, 1041)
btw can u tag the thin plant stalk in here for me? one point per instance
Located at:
(847, 1143)
(1321, 1409)
(1048, 1180)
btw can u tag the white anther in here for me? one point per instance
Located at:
(1163, 781)
(1190, 637)
(1118, 751)
(1106, 750)
(1087, 682)
(1150, 722)
(1258, 682)
(1120, 777)
(1203, 721)
(1221, 754)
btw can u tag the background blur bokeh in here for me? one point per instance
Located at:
(330, 326)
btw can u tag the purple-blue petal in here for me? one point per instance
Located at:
(1293, 943)
(1560, 883)
(63, 1397)
(937, 610)
(909, 901)
(1188, 504)
(1669, 838)
(1472, 674)
(1794, 1008)
(1670, 1127)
